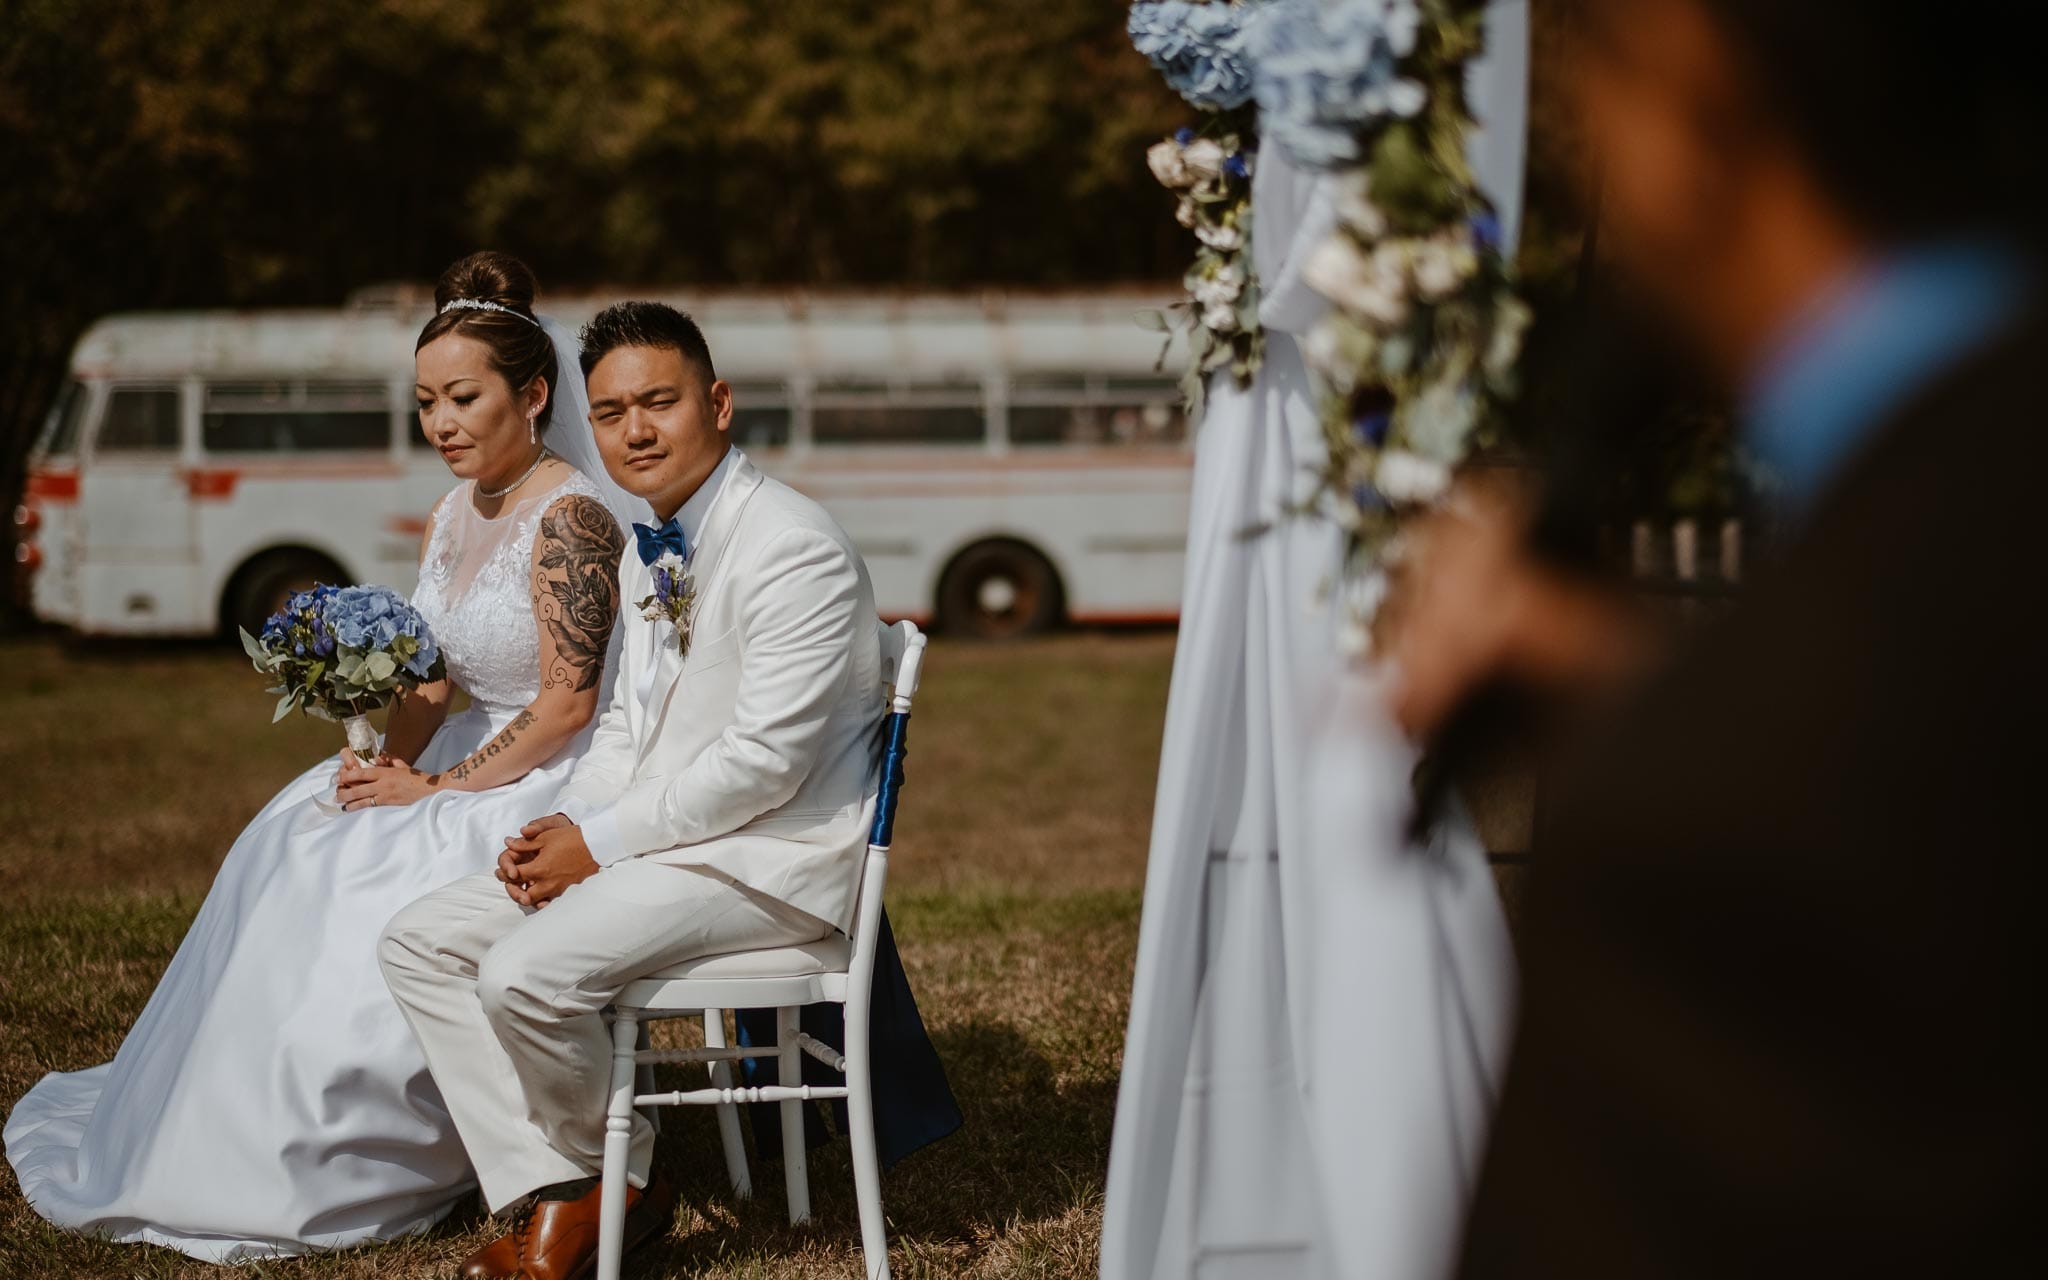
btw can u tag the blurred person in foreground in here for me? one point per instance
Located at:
(1779, 939)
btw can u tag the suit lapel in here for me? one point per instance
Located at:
(635, 585)
(706, 562)
(719, 523)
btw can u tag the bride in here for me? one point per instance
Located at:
(270, 1099)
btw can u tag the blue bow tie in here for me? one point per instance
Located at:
(656, 542)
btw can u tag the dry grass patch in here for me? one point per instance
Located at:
(130, 769)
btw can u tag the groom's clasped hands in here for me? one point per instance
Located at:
(544, 859)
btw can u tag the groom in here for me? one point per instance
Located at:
(724, 804)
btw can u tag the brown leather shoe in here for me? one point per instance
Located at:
(560, 1240)
(498, 1260)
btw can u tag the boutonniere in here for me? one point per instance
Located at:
(674, 598)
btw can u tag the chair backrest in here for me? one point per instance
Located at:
(902, 665)
(902, 661)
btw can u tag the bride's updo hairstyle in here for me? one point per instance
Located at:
(505, 324)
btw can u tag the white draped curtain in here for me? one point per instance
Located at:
(1320, 1008)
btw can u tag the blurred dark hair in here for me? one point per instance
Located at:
(520, 349)
(645, 324)
(1918, 118)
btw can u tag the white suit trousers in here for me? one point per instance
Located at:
(508, 1002)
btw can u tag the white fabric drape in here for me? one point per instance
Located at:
(1320, 1008)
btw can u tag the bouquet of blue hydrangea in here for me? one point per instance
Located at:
(340, 653)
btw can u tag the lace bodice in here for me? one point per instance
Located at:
(476, 593)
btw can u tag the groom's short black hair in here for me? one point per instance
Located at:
(645, 324)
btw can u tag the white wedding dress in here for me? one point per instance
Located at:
(271, 1099)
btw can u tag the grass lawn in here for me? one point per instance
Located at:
(128, 772)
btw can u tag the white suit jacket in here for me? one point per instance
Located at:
(756, 755)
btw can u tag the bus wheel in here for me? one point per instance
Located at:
(999, 590)
(261, 587)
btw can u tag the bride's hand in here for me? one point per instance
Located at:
(386, 782)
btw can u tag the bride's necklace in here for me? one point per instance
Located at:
(524, 476)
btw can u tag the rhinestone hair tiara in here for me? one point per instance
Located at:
(481, 304)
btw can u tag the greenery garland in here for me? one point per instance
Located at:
(1419, 349)
(1420, 345)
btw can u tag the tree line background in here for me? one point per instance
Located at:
(172, 153)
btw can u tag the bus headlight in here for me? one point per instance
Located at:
(28, 556)
(27, 519)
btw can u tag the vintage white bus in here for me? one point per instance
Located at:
(1004, 462)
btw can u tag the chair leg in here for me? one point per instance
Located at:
(728, 1112)
(643, 1078)
(795, 1173)
(867, 1166)
(618, 1142)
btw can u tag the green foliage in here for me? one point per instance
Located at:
(287, 151)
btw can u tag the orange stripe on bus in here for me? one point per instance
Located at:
(203, 483)
(317, 471)
(1113, 619)
(828, 461)
(53, 486)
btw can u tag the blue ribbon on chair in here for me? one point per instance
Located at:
(893, 750)
(914, 1105)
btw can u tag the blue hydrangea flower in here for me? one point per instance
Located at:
(1199, 48)
(1486, 232)
(410, 623)
(1324, 72)
(370, 618)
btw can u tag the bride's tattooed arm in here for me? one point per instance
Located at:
(576, 590)
(490, 750)
(575, 606)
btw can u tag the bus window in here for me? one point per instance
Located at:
(139, 420)
(1095, 411)
(60, 432)
(296, 417)
(866, 413)
(760, 415)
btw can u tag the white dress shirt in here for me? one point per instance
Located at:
(601, 825)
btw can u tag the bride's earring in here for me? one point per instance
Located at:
(533, 426)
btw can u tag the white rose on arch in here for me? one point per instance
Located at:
(1443, 264)
(1204, 158)
(1373, 286)
(1220, 289)
(1168, 165)
(1409, 479)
